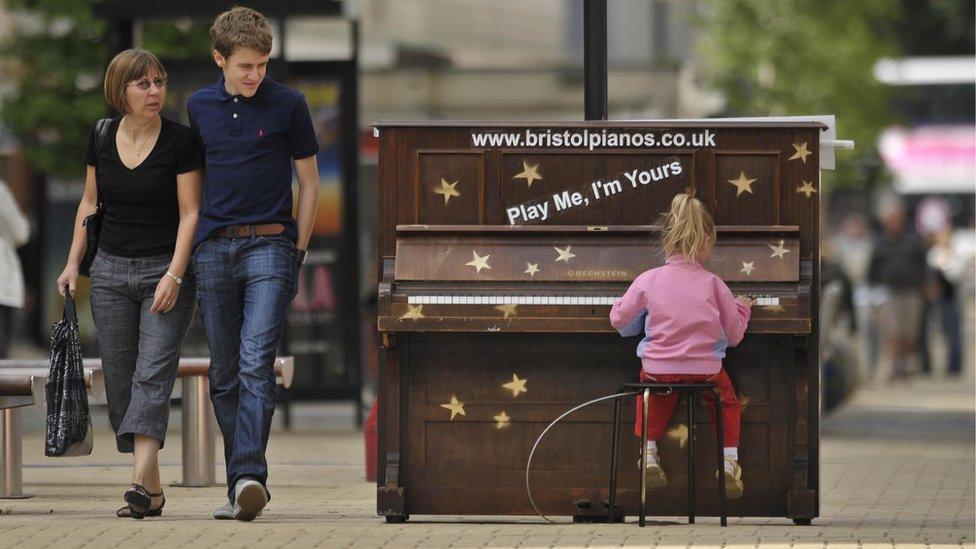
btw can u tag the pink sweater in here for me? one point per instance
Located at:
(688, 314)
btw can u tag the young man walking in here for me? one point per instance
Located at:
(248, 246)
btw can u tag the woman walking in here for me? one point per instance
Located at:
(147, 172)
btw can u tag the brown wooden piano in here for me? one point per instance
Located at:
(504, 245)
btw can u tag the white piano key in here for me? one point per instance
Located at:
(537, 300)
(547, 300)
(455, 300)
(774, 301)
(412, 299)
(574, 300)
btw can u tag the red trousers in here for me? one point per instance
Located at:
(660, 408)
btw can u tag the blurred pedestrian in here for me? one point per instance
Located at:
(14, 233)
(853, 246)
(946, 268)
(898, 269)
(147, 171)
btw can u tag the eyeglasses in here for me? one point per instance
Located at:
(145, 84)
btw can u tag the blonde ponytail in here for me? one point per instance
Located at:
(687, 226)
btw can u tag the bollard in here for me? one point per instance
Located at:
(11, 481)
(198, 433)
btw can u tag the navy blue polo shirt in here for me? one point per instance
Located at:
(249, 145)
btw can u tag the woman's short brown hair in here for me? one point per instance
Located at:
(241, 27)
(126, 67)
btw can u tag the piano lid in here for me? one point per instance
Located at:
(534, 254)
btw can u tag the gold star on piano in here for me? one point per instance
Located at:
(502, 420)
(448, 190)
(801, 152)
(742, 184)
(748, 267)
(508, 309)
(806, 188)
(679, 434)
(775, 308)
(413, 311)
(531, 268)
(516, 386)
(455, 407)
(479, 262)
(744, 401)
(778, 251)
(564, 255)
(529, 173)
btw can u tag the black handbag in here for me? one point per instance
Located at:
(68, 429)
(93, 223)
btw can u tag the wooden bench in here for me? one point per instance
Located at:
(22, 384)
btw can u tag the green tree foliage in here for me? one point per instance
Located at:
(59, 59)
(180, 40)
(792, 57)
(58, 64)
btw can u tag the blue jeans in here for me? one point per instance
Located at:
(244, 287)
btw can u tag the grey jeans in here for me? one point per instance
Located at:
(140, 350)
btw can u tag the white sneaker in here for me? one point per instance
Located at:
(249, 499)
(224, 512)
(733, 478)
(656, 478)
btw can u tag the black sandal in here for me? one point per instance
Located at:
(139, 502)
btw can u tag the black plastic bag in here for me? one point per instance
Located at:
(68, 431)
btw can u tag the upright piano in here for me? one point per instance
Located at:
(503, 247)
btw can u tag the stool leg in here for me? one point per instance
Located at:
(720, 443)
(613, 459)
(643, 453)
(690, 397)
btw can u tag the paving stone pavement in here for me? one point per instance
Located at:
(898, 470)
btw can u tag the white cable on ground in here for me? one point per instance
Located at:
(528, 464)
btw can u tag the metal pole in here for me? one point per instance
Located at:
(11, 455)
(614, 447)
(595, 59)
(643, 474)
(690, 400)
(198, 433)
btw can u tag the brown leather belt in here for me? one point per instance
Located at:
(242, 231)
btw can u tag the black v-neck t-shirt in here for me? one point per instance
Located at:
(142, 211)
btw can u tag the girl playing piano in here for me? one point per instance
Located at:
(689, 317)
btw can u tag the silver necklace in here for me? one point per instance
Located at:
(133, 141)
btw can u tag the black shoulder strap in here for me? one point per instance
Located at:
(101, 127)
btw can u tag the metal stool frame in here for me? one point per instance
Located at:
(690, 389)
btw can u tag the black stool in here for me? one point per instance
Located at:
(666, 389)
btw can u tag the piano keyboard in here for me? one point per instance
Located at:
(533, 300)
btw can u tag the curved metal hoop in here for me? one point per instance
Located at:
(528, 464)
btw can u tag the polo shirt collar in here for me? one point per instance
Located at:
(224, 96)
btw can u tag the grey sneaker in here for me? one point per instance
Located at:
(249, 499)
(224, 512)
